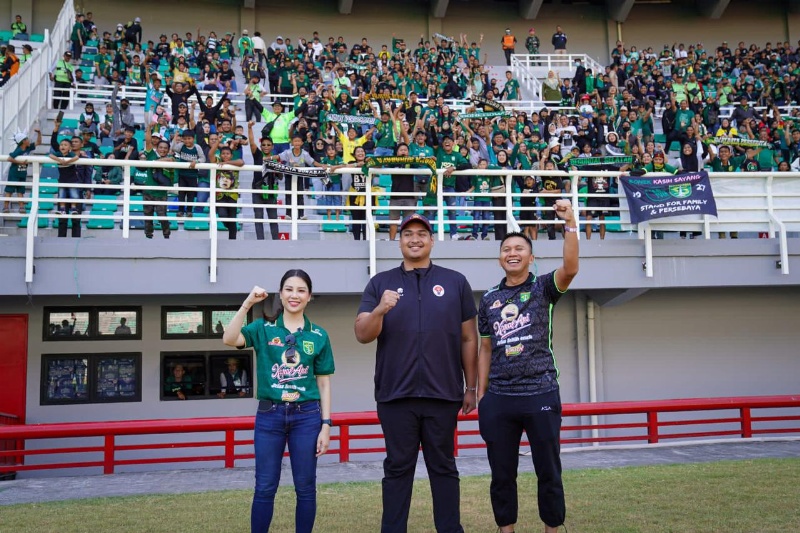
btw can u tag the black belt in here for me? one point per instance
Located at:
(268, 404)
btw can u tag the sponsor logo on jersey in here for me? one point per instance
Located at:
(514, 350)
(287, 396)
(275, 341)
(511, 321)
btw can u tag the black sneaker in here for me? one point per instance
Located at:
(148, 235)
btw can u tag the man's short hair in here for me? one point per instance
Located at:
(521, 235)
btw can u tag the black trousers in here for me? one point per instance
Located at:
(500, 221)
(186, 196)
(406, 424)
(62, 227)
(358, 215)
(508, 54)
(258, 212)
(550, 214)
(253, 108)
(61, 94)
(502, 421)
(159, 210)
(226, 208)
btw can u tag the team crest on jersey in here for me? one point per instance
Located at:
(496, 305)
(308, 347)
(438, 290)
(276, 341)
(524, 297)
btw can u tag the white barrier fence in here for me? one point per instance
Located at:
(24, 96)
(749, 201)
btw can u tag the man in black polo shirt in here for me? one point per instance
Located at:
(518, 377)
(423, 316)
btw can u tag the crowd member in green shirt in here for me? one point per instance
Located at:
(226, 185)
(78, 37)
(724, 162)
(294, 362)
(450, 160)
(18, 171)
(334, 183)
(481, 187)
(156, 177)
(511, 89)
(279, 131)
(18, 27)
(179, 383)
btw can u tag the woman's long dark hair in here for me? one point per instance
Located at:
(278, 306)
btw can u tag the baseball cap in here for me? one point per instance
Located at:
(416, 217)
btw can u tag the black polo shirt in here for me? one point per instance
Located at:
(419, 348)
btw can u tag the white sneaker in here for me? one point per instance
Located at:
(303, 218)
(487, 238)
(454, 237)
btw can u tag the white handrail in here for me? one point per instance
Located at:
(746, 210)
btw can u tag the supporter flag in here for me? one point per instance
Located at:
(668, 196)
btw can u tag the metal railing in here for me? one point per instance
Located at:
(529, 69)
(24, 96)
(101, 94)
(10, 445)
(218, 440)
(767, 202)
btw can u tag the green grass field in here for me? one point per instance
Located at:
(727, 497)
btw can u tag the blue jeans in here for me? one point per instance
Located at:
(203, 194)
(72, 193)
(451, 213)
(299, 425)
(481, 215)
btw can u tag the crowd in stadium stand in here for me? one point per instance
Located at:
(355, 101)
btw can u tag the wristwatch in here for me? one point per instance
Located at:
(327, 421)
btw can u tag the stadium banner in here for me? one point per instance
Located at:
(484, 114)
(736, 141)
(668, 196)
(272, 166)
(485, 102)
(606, 162)
(351, 119)
(444, 38)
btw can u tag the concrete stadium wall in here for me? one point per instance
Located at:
(714, 342)
(664, 344)
(659, 24)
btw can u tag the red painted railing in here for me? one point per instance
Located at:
(359, 433)
(9, 445)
